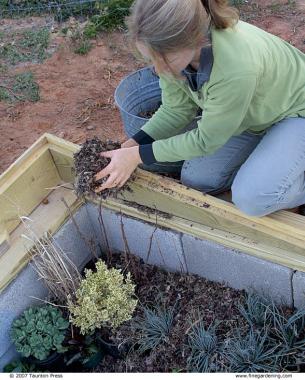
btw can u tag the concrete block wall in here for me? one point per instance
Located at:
(168, 249)
(186, 253)
(18, 296)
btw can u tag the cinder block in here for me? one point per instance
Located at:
(298, 286)
(19, 295)
(165, 249)
(106, 222)
(237, 269)
(78, 237)
(13, 301)
(155, 246)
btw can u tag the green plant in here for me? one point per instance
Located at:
(112, 14)
(252, 353)
(236, 3)
(83, 47)
(4, 94)
(26, 46)
(20, 87)
(90, 30)
(291, 335)
(258, 311)
(39, 331)
(26, 86)
(20, 366)
(85, 351)
(104, 298)
(204, 346)
(153, 328)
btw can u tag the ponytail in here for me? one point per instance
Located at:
(221, 14)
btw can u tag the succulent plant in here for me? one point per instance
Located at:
(39, 331)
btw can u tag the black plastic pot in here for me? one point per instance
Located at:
(110, 348)
(55, 362)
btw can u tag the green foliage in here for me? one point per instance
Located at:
(26, 86)
(204, 346)
(90, 30)
(257, 310)
(20, 366)
(103, 299)
(283, 336)
(84, 351)
(4, 94)
(252, 353)
(83, 47)
(290, 332)
(28, 46)
(62, 9)
(236, 3)
(153, 328)
(20, 87)
(111, 15)
(39, 331)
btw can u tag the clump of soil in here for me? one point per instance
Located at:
(148, 114)
(88, 162)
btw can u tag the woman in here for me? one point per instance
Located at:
(251, 87)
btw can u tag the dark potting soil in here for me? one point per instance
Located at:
(88, 162)
(148, 114)
(155, 286)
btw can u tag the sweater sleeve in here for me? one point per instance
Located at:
(224, 110)
(176, 112)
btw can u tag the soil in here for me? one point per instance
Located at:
(88, 161)
(77, 91)
(191, 293)
(148, 114)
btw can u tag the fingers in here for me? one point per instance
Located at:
(108, 154)
(103, 173)
(110, 183)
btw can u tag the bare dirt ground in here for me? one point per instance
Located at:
(76, 92)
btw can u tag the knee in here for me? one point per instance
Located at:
(248, 200)
(199, 180)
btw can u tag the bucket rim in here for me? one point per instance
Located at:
(127, 77)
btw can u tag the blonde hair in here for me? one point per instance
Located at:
(165, 26)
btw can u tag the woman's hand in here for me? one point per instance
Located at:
(129, 143)
(123, 162)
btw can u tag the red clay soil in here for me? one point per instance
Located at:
(76, 98)
(77, 91)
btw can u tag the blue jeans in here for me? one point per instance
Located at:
(265, 172)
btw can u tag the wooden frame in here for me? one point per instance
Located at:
(48, 164)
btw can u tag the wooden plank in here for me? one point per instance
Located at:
(27, 187)
(64, 164)
(278, 237)
(281, 229)
(190, 204)
(17, 167)
(46, 217)
(254, 247)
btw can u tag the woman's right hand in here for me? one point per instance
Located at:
(129, 143)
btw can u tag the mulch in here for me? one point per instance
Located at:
(87, 162)
(156, 286)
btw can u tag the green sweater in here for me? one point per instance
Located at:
(257, 79)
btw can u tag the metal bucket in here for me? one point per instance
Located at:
(140, 92)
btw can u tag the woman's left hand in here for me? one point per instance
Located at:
(123, 163)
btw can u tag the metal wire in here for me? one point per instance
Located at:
(62, 9)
